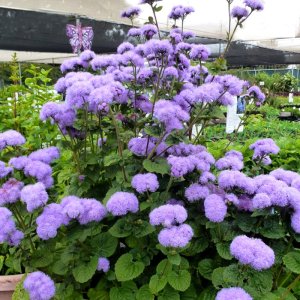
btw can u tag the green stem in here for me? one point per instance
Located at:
(156, 22)
(288, 289)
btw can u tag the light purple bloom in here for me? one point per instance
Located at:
(285, 175)
(264, 147)
(295, 221)
(103, 264)
(34, 195)
(206, 176)
(11, 138)
(39, 286)
(233, 293)
(168, 215)
(93, 211)
(257, 93)
(4, 171)
(215, 208)
(124, 47)
(253, 252)
(20, 162)
(72, 206)
(200, 52)
(37, 169)
(239, 12)
(134, 32)
(196, 192)
(131, 12)
(180, 12)
(261, 200)
(46, 155)
(176, 236)
(87, 55)
(145, 182)
(229, 162)
(10, 191)
(121, 203)
(254, 4)
(148, 31)
(138, 146)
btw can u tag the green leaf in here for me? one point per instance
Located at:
(272, 229)
(112, 159)
(126, 268)
(180, 280)
(120, 229)
(208, 294)
(206, 268)
(107, 245)
(143, 229)
(189, 294)
(121, 293)
(41, 258)
(292, 261)
(154, 131)
(19, 292)
(223, 250)
(168, 293)
(217, 277)
(144, 293)
(1, 261)
(157, 283)
(160, 166)
(174, 259)
(197, 246)
(85, 271)
(158, 8)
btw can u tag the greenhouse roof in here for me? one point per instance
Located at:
(38, 28)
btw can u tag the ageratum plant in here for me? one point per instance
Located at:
(146, 211)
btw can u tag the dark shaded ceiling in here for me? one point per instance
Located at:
(22, 30)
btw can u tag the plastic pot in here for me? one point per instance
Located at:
(8, 284)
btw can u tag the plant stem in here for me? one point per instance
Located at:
(156, 22)
(288, 289)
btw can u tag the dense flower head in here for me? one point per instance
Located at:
(261, 200)
(87, 55)
(285, 175)
(72, 207)
(103, 264)
(10, 191)
(168, 215)
(34, 195)
(254, 4)
(295, 221)
(176, 236)
(73, 64)
(77, 94)
(140, 146)
(134, 32)
(145, 182)
(20, 162)
(4, 170)
(37, 169)
(233, 293)
(257, 93)
(215, 208)
(148, 31)
(11, 138)
(232, 84)
(239, 12)
(253, 252)
(231, 160)
(206, 177)
(46, 155)
(93, 211)
(200, 52)
(39, 286)
(50, 220)
(124, 47)
(131, 12)
(121, 203)
(264, 147)
(180, 12)
(180, 166)
(196, 192)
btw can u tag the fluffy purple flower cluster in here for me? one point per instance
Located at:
(11, 138)
(103, 264)
(233, 293)
(172, 216)
(253, 252)
(239, 12)
(232, 160)
(145, 182)
(39, 286)
(262, 149)
(121, 203)
(10, 191)
(4, 170)
(71, 207)
(46, 155)
(131, 12)
(34, 195)
(180, 12)
(215, 208)
(254, 4)
(8, 231)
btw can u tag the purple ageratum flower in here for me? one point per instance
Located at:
(72, 64)
(121, 203)
(10, 191)
(100, 99)
(39, 286)
(170, 114)
(263, 147)
(261, 201)
(208, 92)
(132, 59)
(134, 32)
(215, 208)
(34, 195)
(180, 166)
(138, 146)
(170, 73)
(103, 264)
(296, 183)
(101, 142)
(244, 203)
(257, 93)
(93, 211)
(11, 138)
(232, 84)
(284, 175)
(72, 206)
(77, 95)
(199, 52)
(229, 162)
(239, 12)
(176, 236)
(183, 47)
(50, 220)
(145, 182)
(196, 192)
(103, 62)
(254, 4)
(15, 238)
(233, 293)
(231, 198)
(234, 153)
(180, 12)
(124, 47)
(131, 13)
(4, 171)
(87, 55)
(188, 35)
(295, 221)
(168, 215)
(37, 169)
(20, 162)
(46, 155)
(148, 31)
(253, 252)
(206, 176)
(60, 85)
